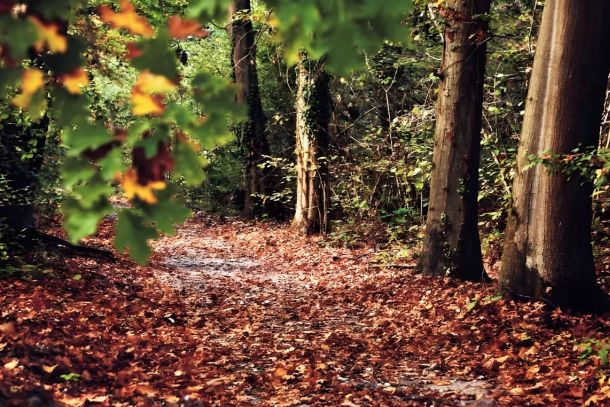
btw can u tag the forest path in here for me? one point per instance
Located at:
(301, 321)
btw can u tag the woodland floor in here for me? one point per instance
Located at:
(234, 313)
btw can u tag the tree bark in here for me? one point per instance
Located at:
(313, 112)
(252, 131)
(452, 245)
(548, 253)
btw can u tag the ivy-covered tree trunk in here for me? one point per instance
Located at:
(313, 112)
(452, 245)
(252, 131)
(548, 253)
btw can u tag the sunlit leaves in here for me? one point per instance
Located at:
(145, 103)
(127, 18)
(32, 80)
(151, 83)
(340, 30)
(49, 36)
(133, 188)
(75, 81)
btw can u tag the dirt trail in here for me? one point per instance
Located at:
(300, 321)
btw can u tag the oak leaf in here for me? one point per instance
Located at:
(75, 81)
(31, 81)
(151, 83)
(49, 36)
(181, 28)
(145, 104)
(127, 18)
(132, 188)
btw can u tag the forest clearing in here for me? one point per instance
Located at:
(304, 203)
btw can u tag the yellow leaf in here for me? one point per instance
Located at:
(12, 364)
(151, 83)
(49, 35)
(75, 81)
(127, 18)
(133, 188)
(49, 369)
(31, 80)
(145, 104)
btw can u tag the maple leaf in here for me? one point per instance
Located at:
(31, 81)
(145, 104)
(75, 81)
(132, 188)
(152, 83)
(180, 28)
(49, 36)
(127, 18)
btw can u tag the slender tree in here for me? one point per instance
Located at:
(252, 131)
(548, 249)
(452, 244)
(313, 112)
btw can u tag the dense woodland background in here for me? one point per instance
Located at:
(474, 147)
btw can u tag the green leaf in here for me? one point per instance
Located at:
(156, 57)
(82, 221)
(111, 164)
(68, 109)
(133, 233)
(85, 136)
(188, 164)
(89, 193)
(18, 34)
(168, 212)
(76, 169)
(208, 10)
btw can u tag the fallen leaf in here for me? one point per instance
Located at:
(12, 364)
(49, 369)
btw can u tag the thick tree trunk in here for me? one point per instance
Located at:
(313, 111)
(452, 245)
(252, 131)
(548, 251)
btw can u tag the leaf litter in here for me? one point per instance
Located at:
(245, 313)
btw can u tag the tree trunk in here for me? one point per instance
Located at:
(548, 251)
(313, 112)
(452, 245)
(252, 130)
